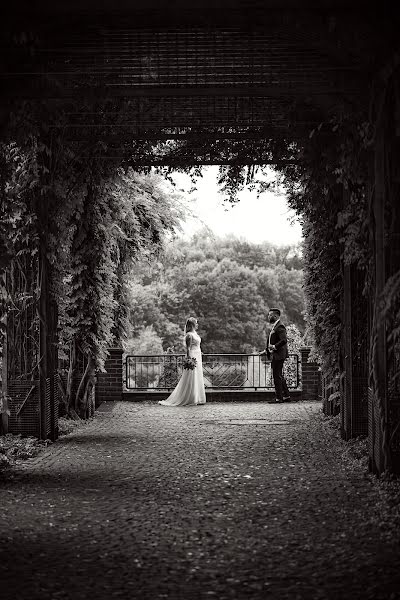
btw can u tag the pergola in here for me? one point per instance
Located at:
(219, 82)
(124, 72)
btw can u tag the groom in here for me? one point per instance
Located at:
(277, 352)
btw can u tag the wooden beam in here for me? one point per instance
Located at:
(200, 137)
(190, 162)
(43, 90)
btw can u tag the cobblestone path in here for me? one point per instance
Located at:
(224, 501)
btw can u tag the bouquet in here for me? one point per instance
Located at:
(189, 363)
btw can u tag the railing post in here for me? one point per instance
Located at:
(310, 377)
(109, 384)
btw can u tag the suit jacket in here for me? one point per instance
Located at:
(278, 339)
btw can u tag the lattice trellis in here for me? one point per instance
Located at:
(276, 76)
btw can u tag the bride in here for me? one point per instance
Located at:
(190, 389)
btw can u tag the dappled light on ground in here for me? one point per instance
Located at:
(224, 500)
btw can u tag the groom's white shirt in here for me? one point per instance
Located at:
(270, 333)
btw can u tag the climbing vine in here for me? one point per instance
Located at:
(80, 223)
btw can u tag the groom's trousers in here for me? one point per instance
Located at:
(281, 388)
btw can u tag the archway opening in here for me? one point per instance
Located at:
(311, 91)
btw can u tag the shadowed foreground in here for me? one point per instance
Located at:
(223, 500)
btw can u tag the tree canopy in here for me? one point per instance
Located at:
(227, 283)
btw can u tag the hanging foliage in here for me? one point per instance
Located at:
(98, 219)
(120, 219)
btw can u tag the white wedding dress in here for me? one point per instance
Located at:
(190, 389)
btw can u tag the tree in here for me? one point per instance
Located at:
(146, 342)
(221, 283)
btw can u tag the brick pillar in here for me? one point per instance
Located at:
(109, 384)
(310, 377)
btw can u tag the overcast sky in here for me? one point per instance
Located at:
(266, 218)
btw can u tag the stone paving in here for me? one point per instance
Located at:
(224, 501)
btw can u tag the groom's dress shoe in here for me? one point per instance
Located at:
(287, 399)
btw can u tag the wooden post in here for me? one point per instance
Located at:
(46, 306)
(346, 399)
(354, 368)
(355, 354)
(392, 254)
(48, 317)
(382, 460)
(52, 365)
(346, 389)
(43, 325)
(46, 325)
(4, 381)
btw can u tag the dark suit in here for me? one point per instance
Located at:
(278, 357)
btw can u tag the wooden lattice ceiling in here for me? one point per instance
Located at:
(243, 69)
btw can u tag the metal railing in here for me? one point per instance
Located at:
(221, 371)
